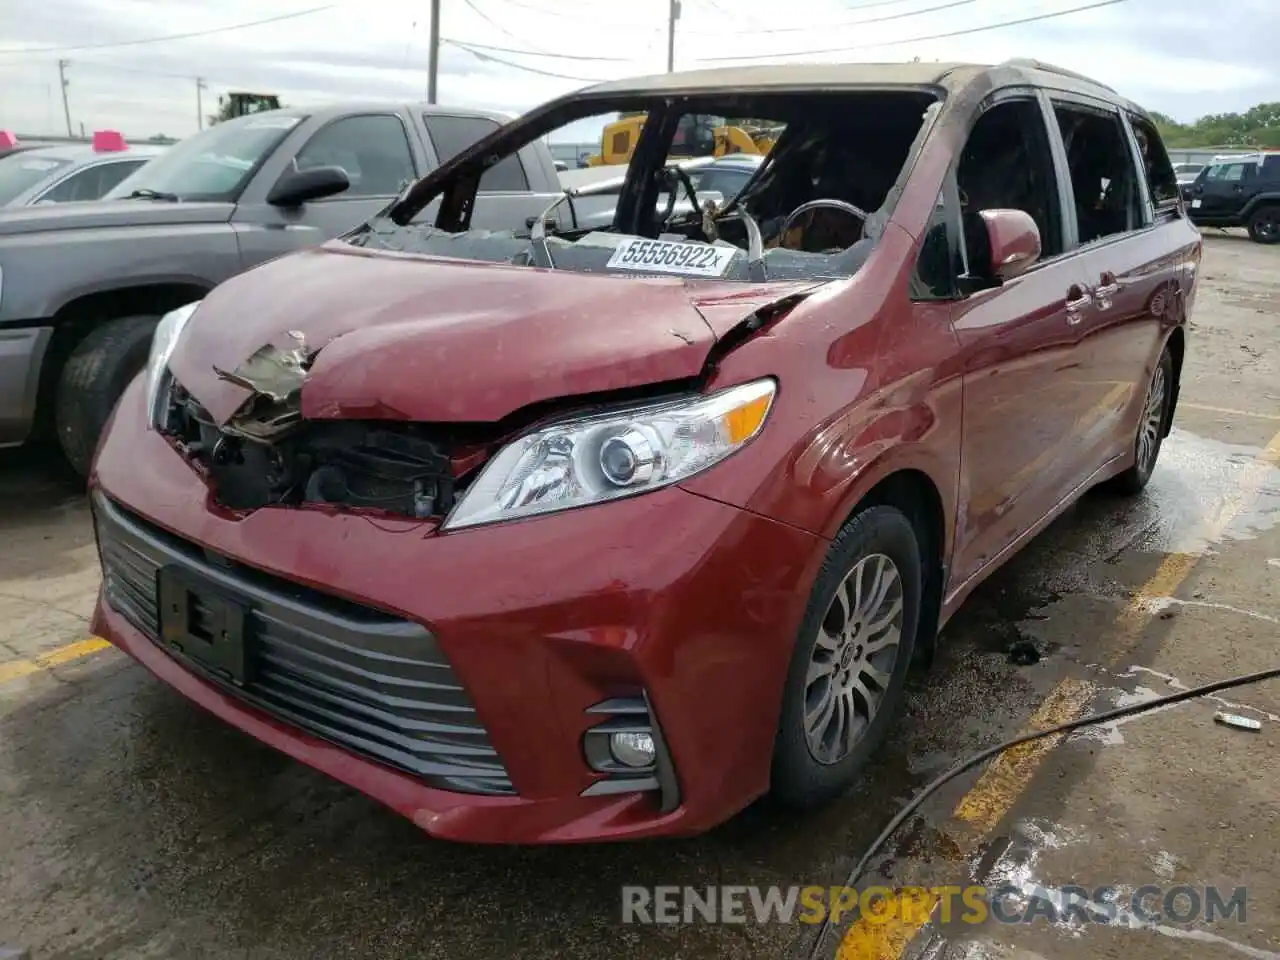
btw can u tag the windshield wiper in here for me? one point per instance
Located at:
(146, 193)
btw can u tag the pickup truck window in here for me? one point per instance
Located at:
(214, 165)
(451, 135)
(19, 173)
(373, 150)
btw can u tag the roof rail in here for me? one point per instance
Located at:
(1030, 64)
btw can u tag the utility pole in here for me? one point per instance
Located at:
(200, 88)
(66, 107)
(673, 14)
(433, 55)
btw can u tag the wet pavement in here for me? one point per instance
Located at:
(133, 825)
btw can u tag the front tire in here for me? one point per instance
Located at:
(845, 683)
(1151, 429)
(95, 375)
(1264, 224)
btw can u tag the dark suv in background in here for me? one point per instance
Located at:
(1241, 191)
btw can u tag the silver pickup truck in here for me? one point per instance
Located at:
(82, 285)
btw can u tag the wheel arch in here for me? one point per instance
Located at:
(913, 489)
(77, 316)
(1269, 199)
(1177, 347)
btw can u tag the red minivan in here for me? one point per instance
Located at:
(564, 534)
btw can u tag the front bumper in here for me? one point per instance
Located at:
(517, 632)
(22, 351)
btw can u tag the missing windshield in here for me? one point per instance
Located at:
(732, 187)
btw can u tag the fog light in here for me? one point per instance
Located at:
(633, 749)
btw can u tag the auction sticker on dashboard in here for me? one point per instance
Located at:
(666, 256)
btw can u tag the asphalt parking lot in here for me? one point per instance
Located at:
(133, 825)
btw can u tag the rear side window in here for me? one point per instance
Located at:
(1103, 176)
(1230, 172)
(91, 183)
(451, 135)
(1271, 166)
(1162, 182)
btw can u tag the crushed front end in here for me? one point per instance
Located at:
(539, 680)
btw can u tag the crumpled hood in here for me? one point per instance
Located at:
(108, 213)
(410, 338)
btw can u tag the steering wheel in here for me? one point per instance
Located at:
(808, 205)
(677, 173)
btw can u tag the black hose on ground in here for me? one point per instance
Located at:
(973, 761)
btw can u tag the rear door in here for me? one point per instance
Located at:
(1128, 253)
(1221, 193)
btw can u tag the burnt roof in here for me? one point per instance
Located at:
(836, 76)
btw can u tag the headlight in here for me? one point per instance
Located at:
(619, 454)
(168, 330)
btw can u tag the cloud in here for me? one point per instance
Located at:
(1170, 55)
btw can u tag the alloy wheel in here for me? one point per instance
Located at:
(1152, 422)
(853, 658)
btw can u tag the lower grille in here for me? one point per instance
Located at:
(371, 682)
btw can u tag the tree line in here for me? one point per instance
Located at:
(1257, 127)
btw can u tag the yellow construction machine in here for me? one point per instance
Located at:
(696, 136)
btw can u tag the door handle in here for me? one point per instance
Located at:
(1078, 301)
(1107, 288)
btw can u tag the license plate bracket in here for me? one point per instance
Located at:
(200, 621)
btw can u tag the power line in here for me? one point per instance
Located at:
(173, 36)
(533, 53)
(578, 17)
(499, 27)
(481, 55)
(847, 23)
(936, 36)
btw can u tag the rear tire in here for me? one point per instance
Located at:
(1264, 224)
(851, 658)
(1151, 430)
(95, 375)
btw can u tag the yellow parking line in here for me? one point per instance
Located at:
(984, 806)
(14, 669)
(1255, 414)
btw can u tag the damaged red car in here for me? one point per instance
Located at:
(575, 532)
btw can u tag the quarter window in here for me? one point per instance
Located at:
(451, 135)
(1103, 177)
(373, 150)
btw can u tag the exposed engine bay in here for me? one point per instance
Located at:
(388, 467)
(813, 209)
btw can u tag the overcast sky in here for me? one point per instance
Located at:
(1176, 56)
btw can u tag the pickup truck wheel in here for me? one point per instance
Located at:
(95, 375)
(850, 663)
(1151, 428)
(1264, 224)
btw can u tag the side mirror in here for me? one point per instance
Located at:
(1014, 240)
(296, 187)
